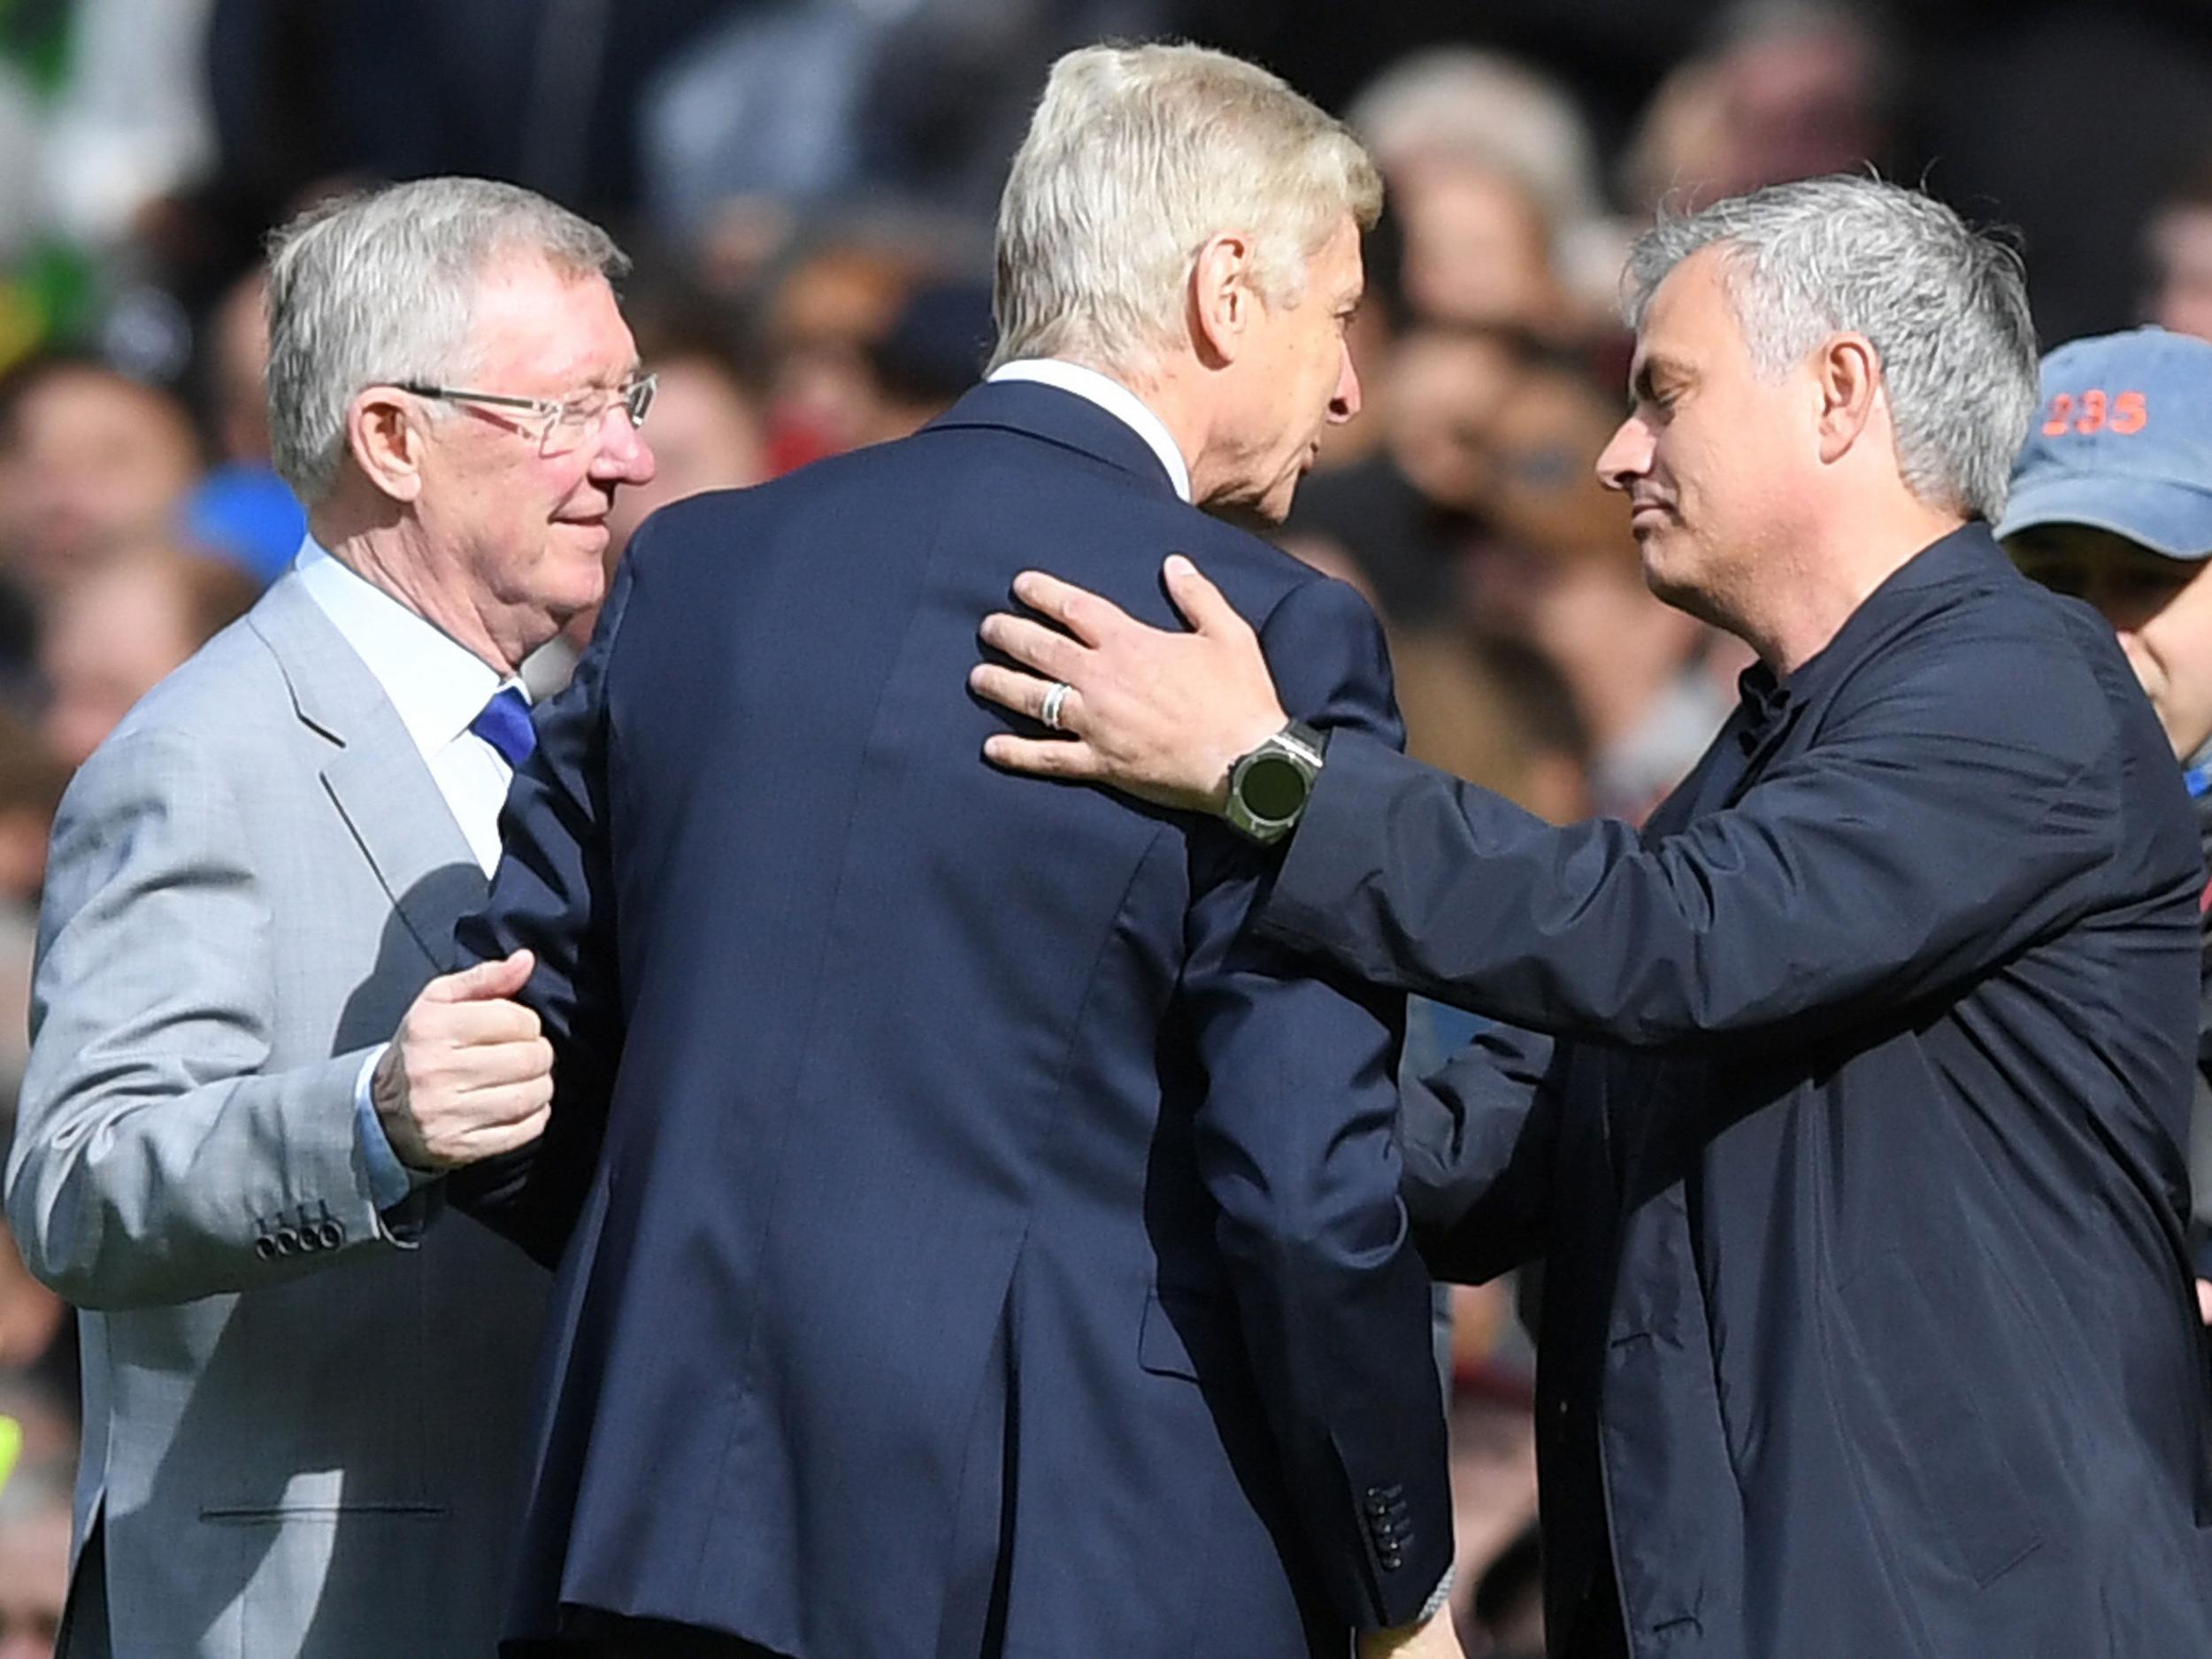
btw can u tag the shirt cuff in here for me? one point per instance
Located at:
(1440, 1596)
(389, 1183)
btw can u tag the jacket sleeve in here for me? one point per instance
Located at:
(1480, 1132)
(1297, 1145)
(1937, 824)
(554, 892)
(156, 1160)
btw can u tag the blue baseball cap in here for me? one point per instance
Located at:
(2122, 442)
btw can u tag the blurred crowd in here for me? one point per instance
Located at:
(807, 186)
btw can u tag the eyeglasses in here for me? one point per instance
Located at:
(560, 424)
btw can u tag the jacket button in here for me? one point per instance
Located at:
(288, 1242)
(264, 1246)
(330, 1235)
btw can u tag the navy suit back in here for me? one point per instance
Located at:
(928, 1292)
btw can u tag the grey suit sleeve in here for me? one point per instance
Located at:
(156, 1160)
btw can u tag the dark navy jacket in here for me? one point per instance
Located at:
(1857, 1164)
(992, 1245)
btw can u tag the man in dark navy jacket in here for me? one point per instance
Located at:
(1852, 1137)
(972, 1241)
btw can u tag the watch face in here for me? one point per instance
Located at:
(1272, 788)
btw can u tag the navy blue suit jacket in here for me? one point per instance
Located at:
(1854, 1151)
(981, 1241)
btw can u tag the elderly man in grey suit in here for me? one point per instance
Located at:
(301, 1402)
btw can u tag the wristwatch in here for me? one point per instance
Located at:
(1268, 788)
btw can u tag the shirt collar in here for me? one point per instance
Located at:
(435, 684)
(1111, 395)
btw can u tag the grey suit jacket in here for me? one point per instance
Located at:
(301, 1423)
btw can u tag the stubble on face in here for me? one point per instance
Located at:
(1705, 456)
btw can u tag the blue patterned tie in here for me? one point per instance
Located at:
(505, 725)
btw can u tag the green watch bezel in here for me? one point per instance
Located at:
(1289, 761)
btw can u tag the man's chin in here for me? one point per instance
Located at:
(1667, 584)
(590, 534)
(1262, 513)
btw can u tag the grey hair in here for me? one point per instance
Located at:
(1944, 304)
(1136, 155)
(379, 288)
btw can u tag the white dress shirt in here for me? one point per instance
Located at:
(437, 688)
(1111, 395)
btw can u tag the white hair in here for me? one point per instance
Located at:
(1945, 307)
(381, 288)
(1137, 155)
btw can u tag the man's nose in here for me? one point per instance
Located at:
(1627, 457)
(1344, 403)
(623, 458)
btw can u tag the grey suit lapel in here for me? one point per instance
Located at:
(375, 774)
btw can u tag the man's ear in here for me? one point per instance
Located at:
(384, 433)
(1221, 297)
(1847, 372)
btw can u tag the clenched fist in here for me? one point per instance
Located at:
(467, 1075)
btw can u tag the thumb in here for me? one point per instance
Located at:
(1199, 600)
(485, 982)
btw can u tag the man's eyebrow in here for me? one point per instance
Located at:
(1643, 383)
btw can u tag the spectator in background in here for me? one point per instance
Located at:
(1787, 89)
(34, 1517)
(90, 461)
(2141, 71)
(113, 635)
(709, 433)
(2112, 502)
(1482, 435)
(1496, 711)
(31, 784)
(2179, 244)
(934, 351)
(242, 509)
(1653, 682)
(1492, 174)
(708, 428)
(820, 320)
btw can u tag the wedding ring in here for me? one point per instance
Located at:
(1056, 694)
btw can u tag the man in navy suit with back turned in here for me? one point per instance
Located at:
(970, 1240)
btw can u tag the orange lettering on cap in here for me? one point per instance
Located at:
(2095, 410)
